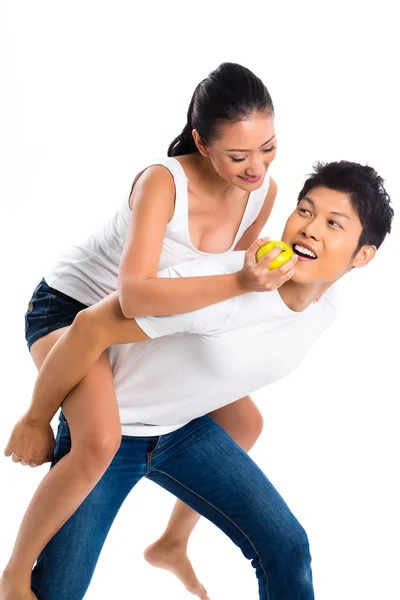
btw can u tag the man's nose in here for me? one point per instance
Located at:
(312, 230)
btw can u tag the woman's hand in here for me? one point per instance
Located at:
(257, 277)
(31, 442)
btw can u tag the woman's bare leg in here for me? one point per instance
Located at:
(67, 363)
(92, 414)
(243, 421)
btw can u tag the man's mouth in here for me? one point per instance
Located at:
(304, 252)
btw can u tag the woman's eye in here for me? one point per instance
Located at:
(334, 223)
(263, 151)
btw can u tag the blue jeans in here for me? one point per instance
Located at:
(48, 310)
(204, 467)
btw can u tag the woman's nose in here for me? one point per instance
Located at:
(254, 167)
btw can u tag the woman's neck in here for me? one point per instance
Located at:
(201, 171)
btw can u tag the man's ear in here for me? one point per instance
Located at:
(201, 147)
(363, 256)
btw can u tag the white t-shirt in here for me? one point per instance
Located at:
(199, 361)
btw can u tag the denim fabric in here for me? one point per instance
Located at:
(48, 310)
(200, 464)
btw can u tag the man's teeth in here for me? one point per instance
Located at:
(305, 251)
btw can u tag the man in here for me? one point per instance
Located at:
(164, 387)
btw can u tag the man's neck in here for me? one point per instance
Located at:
(298, 296)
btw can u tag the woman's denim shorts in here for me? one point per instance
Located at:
(49, 310)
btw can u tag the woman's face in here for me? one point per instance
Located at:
(244, 150)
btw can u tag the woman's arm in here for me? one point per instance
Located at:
(140, 291)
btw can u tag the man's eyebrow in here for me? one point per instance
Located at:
(332, 212)
(339, 214)
(308, 200)
(247, 149)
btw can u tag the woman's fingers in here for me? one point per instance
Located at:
(288, 266)
(267, 259)
(251, 250)
(257, 276)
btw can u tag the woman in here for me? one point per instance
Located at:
(213, 198)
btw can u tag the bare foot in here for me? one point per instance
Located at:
(10, 591)
(174, 559)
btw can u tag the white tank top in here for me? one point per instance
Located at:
(88, 272)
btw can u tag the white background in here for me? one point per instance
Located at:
(90, 91)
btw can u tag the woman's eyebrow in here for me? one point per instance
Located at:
(247, 149)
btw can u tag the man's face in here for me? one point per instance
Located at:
(323, 231)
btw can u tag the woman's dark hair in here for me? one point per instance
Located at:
(367, 195)
(230, 93)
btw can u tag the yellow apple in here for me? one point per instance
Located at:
(285, 255)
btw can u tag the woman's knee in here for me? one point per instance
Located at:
(98, 322)
(86, 324)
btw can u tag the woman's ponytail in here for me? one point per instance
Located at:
(229, 94)
(184, 142)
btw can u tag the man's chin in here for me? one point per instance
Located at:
(302, 276)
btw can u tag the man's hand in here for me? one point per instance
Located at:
(31, 442)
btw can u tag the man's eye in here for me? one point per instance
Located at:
(304, 210)
(334, 223)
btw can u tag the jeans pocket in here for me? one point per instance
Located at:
(60, 310)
